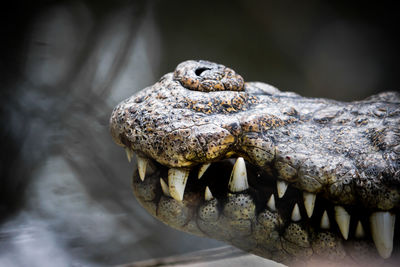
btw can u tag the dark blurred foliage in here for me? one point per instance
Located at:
(65, 193)
(333, 49)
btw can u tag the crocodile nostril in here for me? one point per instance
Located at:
(199, 71)
(206, 76)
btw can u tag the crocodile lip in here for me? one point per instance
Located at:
(300, 233)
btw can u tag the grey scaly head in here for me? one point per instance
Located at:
(286, 177)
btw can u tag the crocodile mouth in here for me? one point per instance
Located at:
(240, 203)
(282, 176)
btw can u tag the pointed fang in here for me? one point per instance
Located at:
(281, 186)
(238, 181)
(129, 153)
(296, 213)
(203, 169)
(309, 203)
(343, 221)
(359, 230)
(177, 179)
(207, 194)
(142, 164)
(164, 188)
(382, 230)
(271, 203)
(325, 223)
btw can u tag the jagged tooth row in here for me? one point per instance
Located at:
(382, 229)
(381, 223)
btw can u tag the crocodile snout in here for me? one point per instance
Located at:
(312, 176)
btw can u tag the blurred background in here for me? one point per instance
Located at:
(65, 194)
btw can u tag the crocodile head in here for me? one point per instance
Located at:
(289, 178)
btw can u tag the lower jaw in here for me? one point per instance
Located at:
(239, 219)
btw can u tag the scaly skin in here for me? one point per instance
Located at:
(347, 154)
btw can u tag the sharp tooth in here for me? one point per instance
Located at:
(309, 203)
(129, 153)
(238, 181)
(281, 186)
(343, 221)
(207, 194)
(325, 224)
(382, 230)
(296, 213)
(177, 181)
(203, 169)
(359, 230)
(271, 203)
(164, 188)
(142, 164)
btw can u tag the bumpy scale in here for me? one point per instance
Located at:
(307, 176)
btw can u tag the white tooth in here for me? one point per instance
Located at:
(296, 213)
(343, 221)
(207, 194)
(271, 203)
(309, 203)
(325, 224)
(238, 181)
(203, 169)
(164, 188)
(129, 153)
(382, 230)
(359, 230)
(177, 181)
(281, 186)
(142, 164)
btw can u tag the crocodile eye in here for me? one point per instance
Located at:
(206, 76)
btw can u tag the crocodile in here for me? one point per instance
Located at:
(294, 179)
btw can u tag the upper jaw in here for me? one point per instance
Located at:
(161, 123)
